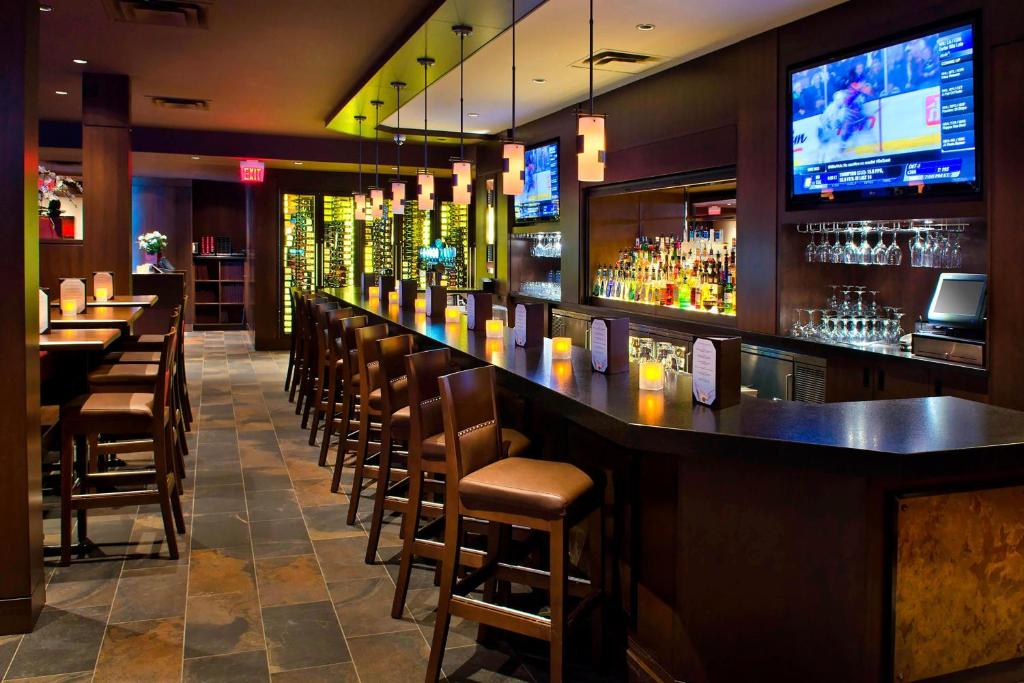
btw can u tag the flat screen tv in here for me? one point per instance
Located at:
(896, 121)
(538, 203)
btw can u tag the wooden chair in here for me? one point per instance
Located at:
(427, 457)
(321, 390)
(538, 494)
(350, 397)
(293, 335)
(311, 360)
(87, 418)
(335, 380)
(370, 404)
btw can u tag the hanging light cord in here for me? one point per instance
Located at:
(513, 69)
(398, 125)
(425, 65)
(591, 57)
(360, 120)
(376, 144)
(462, 69)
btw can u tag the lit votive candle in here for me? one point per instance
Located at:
(102, 294)
(561, 348)
(373, 292)
(493, 328)
(68, 308)
(420, 306)
(392, 298)
(452, 314)
(652, 376)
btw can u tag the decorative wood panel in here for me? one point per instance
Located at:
(959, 588)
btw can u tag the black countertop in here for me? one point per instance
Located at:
(614, 406)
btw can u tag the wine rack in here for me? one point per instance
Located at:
(299, 249)
(455, 233)
(379, 248)
(338, 241)
(415, 234)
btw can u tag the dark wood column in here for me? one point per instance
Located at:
(107, 174)
(21, 533)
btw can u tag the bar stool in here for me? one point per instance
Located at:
(370, 403)
(334, 382)
(293, 336)
(538, 494)
(321, 334)
(427, 451)
(298, 343)
(312, 359)
(394, 410)
(85, 419)
(350, 396)
(300, 391)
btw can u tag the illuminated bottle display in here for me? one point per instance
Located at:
(695, 271)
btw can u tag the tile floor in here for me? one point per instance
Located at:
(271, 583)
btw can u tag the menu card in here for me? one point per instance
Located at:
(407, 293)
(103, 280)
(478, 307)
(599, 345)
(704, 371)
(529, 324)
(520, 327)
(716, 371)
(437, 300)
(609, 345)
(73, 289)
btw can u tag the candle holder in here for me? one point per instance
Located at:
(392, 298)
(561, 348)
(452, 314)
(652, 376)
(494, 328)
(69, 309)
(420, 307)
(102, 294)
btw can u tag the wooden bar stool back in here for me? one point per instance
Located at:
(394, 428)
(333, 361)
(350, 393)
(87, 418)
(293, 335)
(370, 403)
(318, 392)
(314, 369)
(482, 483)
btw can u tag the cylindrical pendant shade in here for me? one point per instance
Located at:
(398, 197)
(462, 185)
(514, 170)
(590, 148)
(425, 191)
(376, 202)
(360, 209)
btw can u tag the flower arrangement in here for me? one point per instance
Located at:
(153, 242)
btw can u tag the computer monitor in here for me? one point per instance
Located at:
(959, 300)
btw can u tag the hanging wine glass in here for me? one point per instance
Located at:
(880, 255)
(811, 250)
(894, 255)
(824, 249)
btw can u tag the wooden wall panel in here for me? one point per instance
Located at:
(21, 535)
(165, 204)
(218, 208)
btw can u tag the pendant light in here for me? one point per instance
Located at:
(590, 142)
(462, 172)
(512, 152)
(397, 184)
(376, 204)
(425, 179)
(358, 197)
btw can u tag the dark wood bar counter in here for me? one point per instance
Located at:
(780, 539)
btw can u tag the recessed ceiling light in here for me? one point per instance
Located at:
(80, 61)
(61, 92)
(195, 158)
(297, 163)
(645, 27)
(540, 81)
(46, 8)
(472, 115)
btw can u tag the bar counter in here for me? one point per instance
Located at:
(779, 538)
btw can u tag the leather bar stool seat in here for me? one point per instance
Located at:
(377, 401)
(113, 406)
(144, 342)
(132, 357)
(123, 374)
(518, 444)
(524, 486)
(400, 423)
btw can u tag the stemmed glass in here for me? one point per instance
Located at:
(811, 250)
(824, 249)
(859, 307)
(796, 329)
(955, 257)
(864, 256)
(880, 255)
(917, 248)
(833, 300)
(851, 254)
(837, 248)
(894, 257)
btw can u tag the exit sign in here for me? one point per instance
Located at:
(251, 171)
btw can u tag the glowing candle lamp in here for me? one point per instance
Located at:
(452, 314)
(420, 306)
(373, 292)
(68, 308)
(493, 328)
(561, 348)
(652, 376)
(102, 294)
(392, 298)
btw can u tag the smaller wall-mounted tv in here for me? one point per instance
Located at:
(538, 202)
(895, 121)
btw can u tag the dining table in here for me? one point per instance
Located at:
(120, 317)
(78, 339)
(143, 300)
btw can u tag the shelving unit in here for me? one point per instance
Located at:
(219, 298)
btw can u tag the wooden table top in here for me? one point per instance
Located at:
(144, 300)
(81, 339)
(98, 316)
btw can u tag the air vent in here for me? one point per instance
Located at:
(177, 13)
(180, 103)
(619, 61)
(809, 383)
